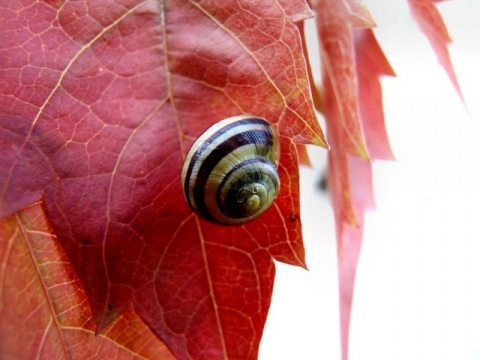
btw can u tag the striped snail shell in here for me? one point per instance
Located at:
(230, 173)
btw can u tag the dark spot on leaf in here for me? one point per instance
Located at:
(110, 307)
(293, 217)
(84, 242)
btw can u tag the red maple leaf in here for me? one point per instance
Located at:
(99, 105)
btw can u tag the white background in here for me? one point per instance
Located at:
(418, 281)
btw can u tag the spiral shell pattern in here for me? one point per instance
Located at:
(230, 173)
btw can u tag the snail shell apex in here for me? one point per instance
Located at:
(230, 173)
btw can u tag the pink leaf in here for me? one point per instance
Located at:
(352, 104)
(371, 63)
(335, 22)
(431, 23)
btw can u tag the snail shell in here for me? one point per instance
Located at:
(230, 173)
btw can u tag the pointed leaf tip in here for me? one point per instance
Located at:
(430, 22)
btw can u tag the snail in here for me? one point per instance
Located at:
(230, 172)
